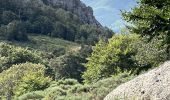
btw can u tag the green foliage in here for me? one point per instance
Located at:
(8, 16)
(32, 95)
(68, 66)
(15, 30)
(10, 55)
(105, 86)
(70, 89)
(23, 78)
(47, 44)
(149, 54)
(108, 58)
(59, 88)
(151, 19)
(67, 82)
(55, 93)
(90, 34)
(40, 17)
(59, 30)
(42, 25)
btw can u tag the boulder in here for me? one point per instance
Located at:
(153, 85)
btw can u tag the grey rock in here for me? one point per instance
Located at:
(153, 85)
(85, 13)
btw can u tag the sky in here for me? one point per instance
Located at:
(108, 13)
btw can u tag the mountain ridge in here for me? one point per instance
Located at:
(85, 13)
(67, 19)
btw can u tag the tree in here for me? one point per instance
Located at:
(59, 30)
(151, 18)
(43, 17)
(8, 16)
(90, 34)
(16, 31)
(111, 58)
(149, 54)
(43, 25)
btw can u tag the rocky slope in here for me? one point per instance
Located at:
(153, 85)
(77, 7)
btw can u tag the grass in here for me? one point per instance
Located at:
(45, 43)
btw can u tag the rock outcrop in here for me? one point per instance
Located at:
(153, 85)
(77, 7)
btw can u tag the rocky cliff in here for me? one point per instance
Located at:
(77, 7)
(154, 85)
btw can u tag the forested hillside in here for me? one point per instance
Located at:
(57, 50)
(19, 18)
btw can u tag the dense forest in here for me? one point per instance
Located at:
(47, 52)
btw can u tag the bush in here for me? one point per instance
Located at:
(70, 89)
(10, 55)
(59, 88)
(55, 93)
(23, 78)
(32, 95)
(68, 66)
(67, 82)
(105, 86)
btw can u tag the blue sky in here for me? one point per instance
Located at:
(107, 12)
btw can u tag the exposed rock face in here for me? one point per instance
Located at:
(77, 7)
(154, 85)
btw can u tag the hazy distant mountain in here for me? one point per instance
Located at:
(108, 13)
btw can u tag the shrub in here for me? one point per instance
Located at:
(79, 88)
(23, 78)
(70, 89)
(59, 88)
(67, 82)
(74, 97)
(32, 95)
(54, 93)
(10, 55)
(105, 86)
(68, 66)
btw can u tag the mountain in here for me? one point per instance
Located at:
(66, 19)
(108, 13)
(77, 7)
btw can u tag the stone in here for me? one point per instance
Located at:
(153, 85)
(85, 13)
